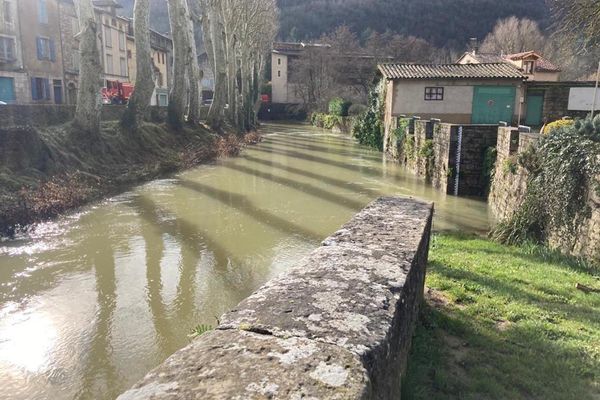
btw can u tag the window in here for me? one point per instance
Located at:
(107, 36)
(279, 61)
(6, 7)
(123, 65)
(163, 58)
(58, 92)
(75, 25)
(163, 100)
(42, 12)
(434, 93)
(122, 41)
(128, 53)
(109, 64)
(75, 59)
(279, 74)
(7, 90)
(45, 49)
(7, 49)
(528, 67)
(114, 22)
(40, 89)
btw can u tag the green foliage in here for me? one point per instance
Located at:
(368, 128)
(339, 107)
(426, 150)
(200, 330)
(326, 121)
(563, 170)
(409, 147)
(510, 166)
(504, 322)
(489, 164)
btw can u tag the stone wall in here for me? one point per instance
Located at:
(443, 167)
(509, 188)
(510, 182)
(47, 115)
(337, 326)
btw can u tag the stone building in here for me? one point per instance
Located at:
(14, 86)
(69, 28)
(161, 54)
(31, 68)
(454, 93)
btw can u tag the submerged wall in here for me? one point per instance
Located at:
(337, 326)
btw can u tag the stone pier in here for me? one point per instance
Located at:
(337, 326)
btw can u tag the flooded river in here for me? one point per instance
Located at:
(92, 301)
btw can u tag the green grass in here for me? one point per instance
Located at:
(505, 323)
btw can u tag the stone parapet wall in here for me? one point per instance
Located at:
(337, 326)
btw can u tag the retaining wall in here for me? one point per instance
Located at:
(442, 169)
(509, 188)
(338, 326)
(47, 115)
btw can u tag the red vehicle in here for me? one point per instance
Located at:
(116, 92)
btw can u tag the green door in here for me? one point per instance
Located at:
(7, 90)
(535, 104)
(492, 104)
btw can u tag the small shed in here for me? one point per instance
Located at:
(454, 93)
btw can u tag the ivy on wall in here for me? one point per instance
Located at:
(563, 170)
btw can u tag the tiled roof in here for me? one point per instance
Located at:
(541, 64)
(450, 71)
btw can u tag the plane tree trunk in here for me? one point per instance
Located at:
(178, 95)
(137, 108)
(87, 113)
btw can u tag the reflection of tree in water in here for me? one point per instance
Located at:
(99, 372)
(194, 244)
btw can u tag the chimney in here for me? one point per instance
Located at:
(473, 45)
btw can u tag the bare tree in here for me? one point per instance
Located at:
(514, 35)
(178, 96)
(137, 107)
(578, 20)
(87, 114)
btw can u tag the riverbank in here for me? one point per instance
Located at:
(505, 323)
(44, 172)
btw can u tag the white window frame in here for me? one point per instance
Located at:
(4, 54)
(109, 64)
(122, 41)
(123, 66)
(107, 36)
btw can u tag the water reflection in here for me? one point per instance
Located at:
(89, 303)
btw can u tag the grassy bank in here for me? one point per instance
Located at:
(44, 172)
(505, 323)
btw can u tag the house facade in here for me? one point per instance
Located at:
(14, 85)
(39, 64)
(454, 93)
(31, 68)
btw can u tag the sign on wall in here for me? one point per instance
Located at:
(582, 98)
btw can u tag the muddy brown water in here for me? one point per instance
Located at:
(92, 301)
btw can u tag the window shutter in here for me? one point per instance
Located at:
(52, 50)
(47, 89)
(39, 48)
(34, 93)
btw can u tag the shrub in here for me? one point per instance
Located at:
(368, 129)
(357, 109)
(339, 107)
(561, 123)
(409, 147)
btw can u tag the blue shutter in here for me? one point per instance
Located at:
(52, 51)
(47, 89)
(40, 53)
(34, 93)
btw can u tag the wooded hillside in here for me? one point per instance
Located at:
(441, 22)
